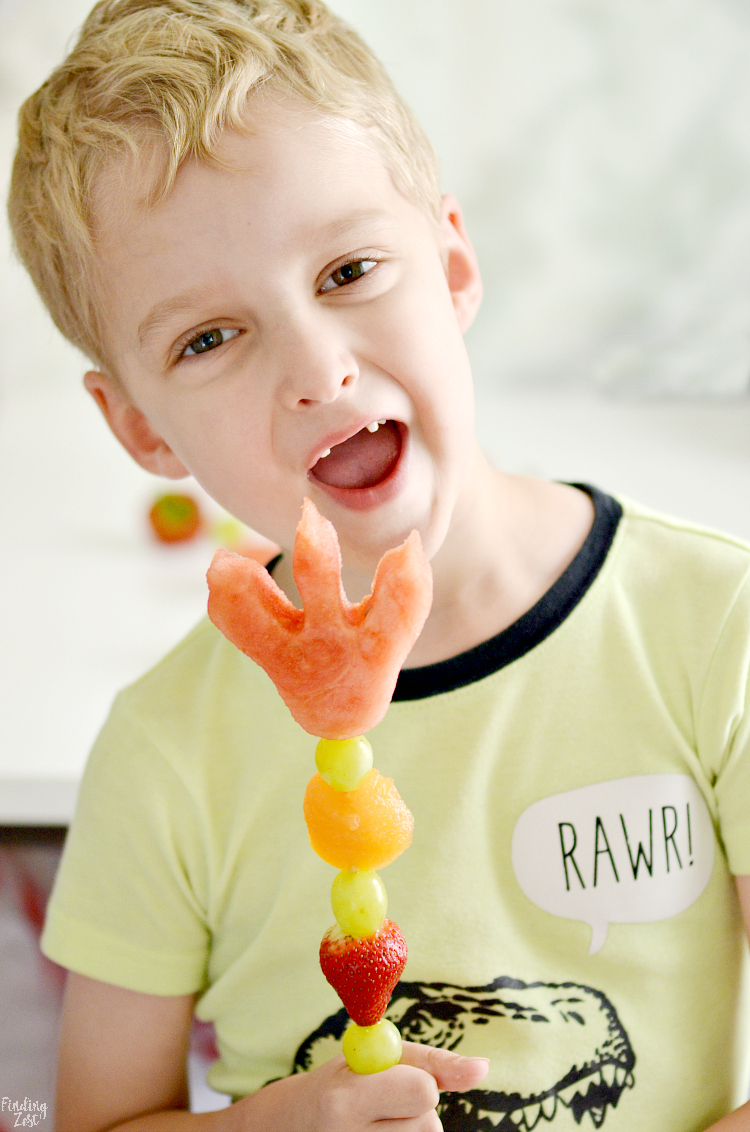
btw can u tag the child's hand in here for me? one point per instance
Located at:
(333, 1099)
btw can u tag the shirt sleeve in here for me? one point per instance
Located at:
(723, 730)
(128, 906)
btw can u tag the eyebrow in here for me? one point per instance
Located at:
(164, 311)
(342, 227)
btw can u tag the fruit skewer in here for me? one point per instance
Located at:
(359, 831)
(335, 665)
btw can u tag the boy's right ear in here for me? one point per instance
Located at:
(132, 428)
(461, 267)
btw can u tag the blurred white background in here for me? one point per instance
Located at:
(602, 154)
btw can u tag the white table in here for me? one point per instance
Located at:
(88, 600)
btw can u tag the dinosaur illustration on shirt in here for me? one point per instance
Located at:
(557, 1050)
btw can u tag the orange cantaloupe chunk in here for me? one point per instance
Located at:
(366, 828)
(334, 664)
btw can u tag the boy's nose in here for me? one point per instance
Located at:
(316, 365)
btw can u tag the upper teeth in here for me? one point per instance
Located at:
(373, 426)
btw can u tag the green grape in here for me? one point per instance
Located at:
(359, 902)
(371, 1049)
(343, 762)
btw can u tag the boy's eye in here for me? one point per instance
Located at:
(347, 273)
(209, 340)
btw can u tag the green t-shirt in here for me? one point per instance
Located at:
(581, 792)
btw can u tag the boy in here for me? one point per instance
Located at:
(225, 205)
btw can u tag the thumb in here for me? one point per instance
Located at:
(451, 1072)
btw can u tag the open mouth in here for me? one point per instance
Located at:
(364, 461)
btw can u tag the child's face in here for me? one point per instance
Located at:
(266, 312)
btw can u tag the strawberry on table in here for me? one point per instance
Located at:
(175, 517)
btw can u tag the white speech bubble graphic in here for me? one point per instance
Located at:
(628, 851)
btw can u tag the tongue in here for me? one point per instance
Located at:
(363, 460)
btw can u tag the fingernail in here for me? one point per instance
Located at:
(484, 1060)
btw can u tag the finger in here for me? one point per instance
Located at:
(451, 1071)
(402, 1092)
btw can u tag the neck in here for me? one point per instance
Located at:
(510, 539)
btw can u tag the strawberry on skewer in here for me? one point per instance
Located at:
(363, 972)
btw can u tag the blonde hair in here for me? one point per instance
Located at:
(182, 70)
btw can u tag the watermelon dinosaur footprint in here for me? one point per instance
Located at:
(334, 664)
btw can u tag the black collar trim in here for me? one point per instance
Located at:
(534, 626)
